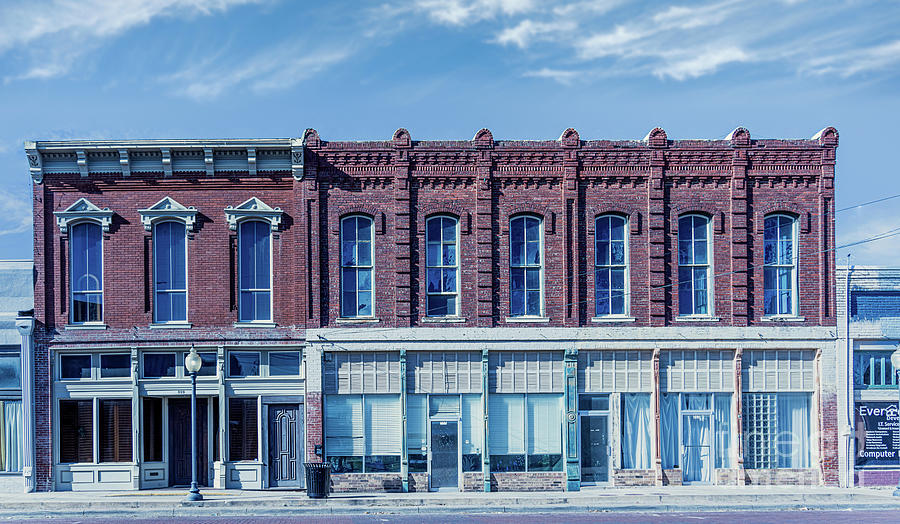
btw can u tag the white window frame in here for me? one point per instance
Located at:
(186, 275)
(102, 291)
(440, 265)
(794, 266)
(526, 266)
(271, 288)
(356, 266)
(710, 284)
(626, 289)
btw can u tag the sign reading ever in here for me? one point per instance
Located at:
(877, 434)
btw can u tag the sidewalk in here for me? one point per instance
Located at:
(169, 502)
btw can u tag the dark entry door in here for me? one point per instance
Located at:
(594, 448)
(444, 455)
(180, 442)
(285, 446)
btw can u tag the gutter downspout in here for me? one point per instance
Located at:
(851, 420)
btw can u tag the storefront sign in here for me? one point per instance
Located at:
(877, 434)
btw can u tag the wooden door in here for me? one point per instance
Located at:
(285, 446)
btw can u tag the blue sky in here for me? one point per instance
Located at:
(527, 69)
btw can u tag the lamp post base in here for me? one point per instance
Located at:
(194, 494)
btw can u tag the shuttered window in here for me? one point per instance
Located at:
(358, 372)
(76, 429)
(526, 371)
(153, 429)
(697, 370)
(443, 372)
(778, 370)
(242, 429)
(608, 371)
(115, 431)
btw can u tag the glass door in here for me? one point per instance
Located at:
(594, 448)
(696, 438)
(444, 455)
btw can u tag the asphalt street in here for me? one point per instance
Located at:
(869, 517)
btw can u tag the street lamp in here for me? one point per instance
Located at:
(895, 362)
(193, 363)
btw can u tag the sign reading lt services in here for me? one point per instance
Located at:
(877, 434)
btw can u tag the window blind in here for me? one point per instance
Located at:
(344, 425)
(115, 431)
(443, 372)
(778, 370)
(76, 432)
(472, 424)
(609, 371)
(415, 423)
(242, 423)
(506, 424)
(383, 424)
(544, 424)
(697, 370)
(358, 372)
(526, 371)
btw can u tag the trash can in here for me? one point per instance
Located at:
(318, 479)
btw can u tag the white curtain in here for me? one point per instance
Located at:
(506, 420)
(723, 430)
(415, 423)
(636, 431)
(383, 425)
(793, 430)
(696, 448)
(668, 407)
(472, 424)
(13, 428)
(545, 424)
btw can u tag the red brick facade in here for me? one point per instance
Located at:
(400, 183)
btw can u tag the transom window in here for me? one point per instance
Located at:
(779, 265)
(693, 265)
(170, 271)
(873, 369)
(255, 271)
(442, 266)
(86, 272)
(610, 259)
(525, 267)
(356, 267)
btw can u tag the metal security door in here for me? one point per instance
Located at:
(594, 448)
(444, 455)
(285, 446)
(180, 442)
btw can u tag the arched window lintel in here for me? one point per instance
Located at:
(256, 209)
(83, 210)
(168, 209)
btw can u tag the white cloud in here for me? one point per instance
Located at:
(280, 67)
(857, 61)
(702, 63)
(56, 32)
(461, 12)
(15, 213)
(560, 75)
(528, 31)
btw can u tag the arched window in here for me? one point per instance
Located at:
(357, 298)
(441, 266)
(526, 279)
(170, 271)
(255, 263)
(610, 265)
(780, 265)
(694, 288)
(86, 272)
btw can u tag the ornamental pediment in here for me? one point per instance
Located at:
(253, 208)
(168, 208)
(83, 209)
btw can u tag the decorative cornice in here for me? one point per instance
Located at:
(168, 208)
(297, 158)
(253, 208)
(83, 209)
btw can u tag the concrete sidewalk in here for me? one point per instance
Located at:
(169, 502)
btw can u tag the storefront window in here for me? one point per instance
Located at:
(10, 371)
(158, 365)
(76, 431)
(243, 364)
(153, 430)
(242, 429)
(284, 363)
(525, 432)
(115, 430)
(115, 366)
(11, 430)
(776, 430)
(74, 367)
(636, 431)
(363, 433)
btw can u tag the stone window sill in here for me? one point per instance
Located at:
(171, 325)
(612, 319)
(254, 324)
(86, 326)
(518, 320)
(783, 318)
(443, 320)
(357, 320)
(696, 319)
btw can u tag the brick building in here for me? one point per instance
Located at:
(472, 314)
